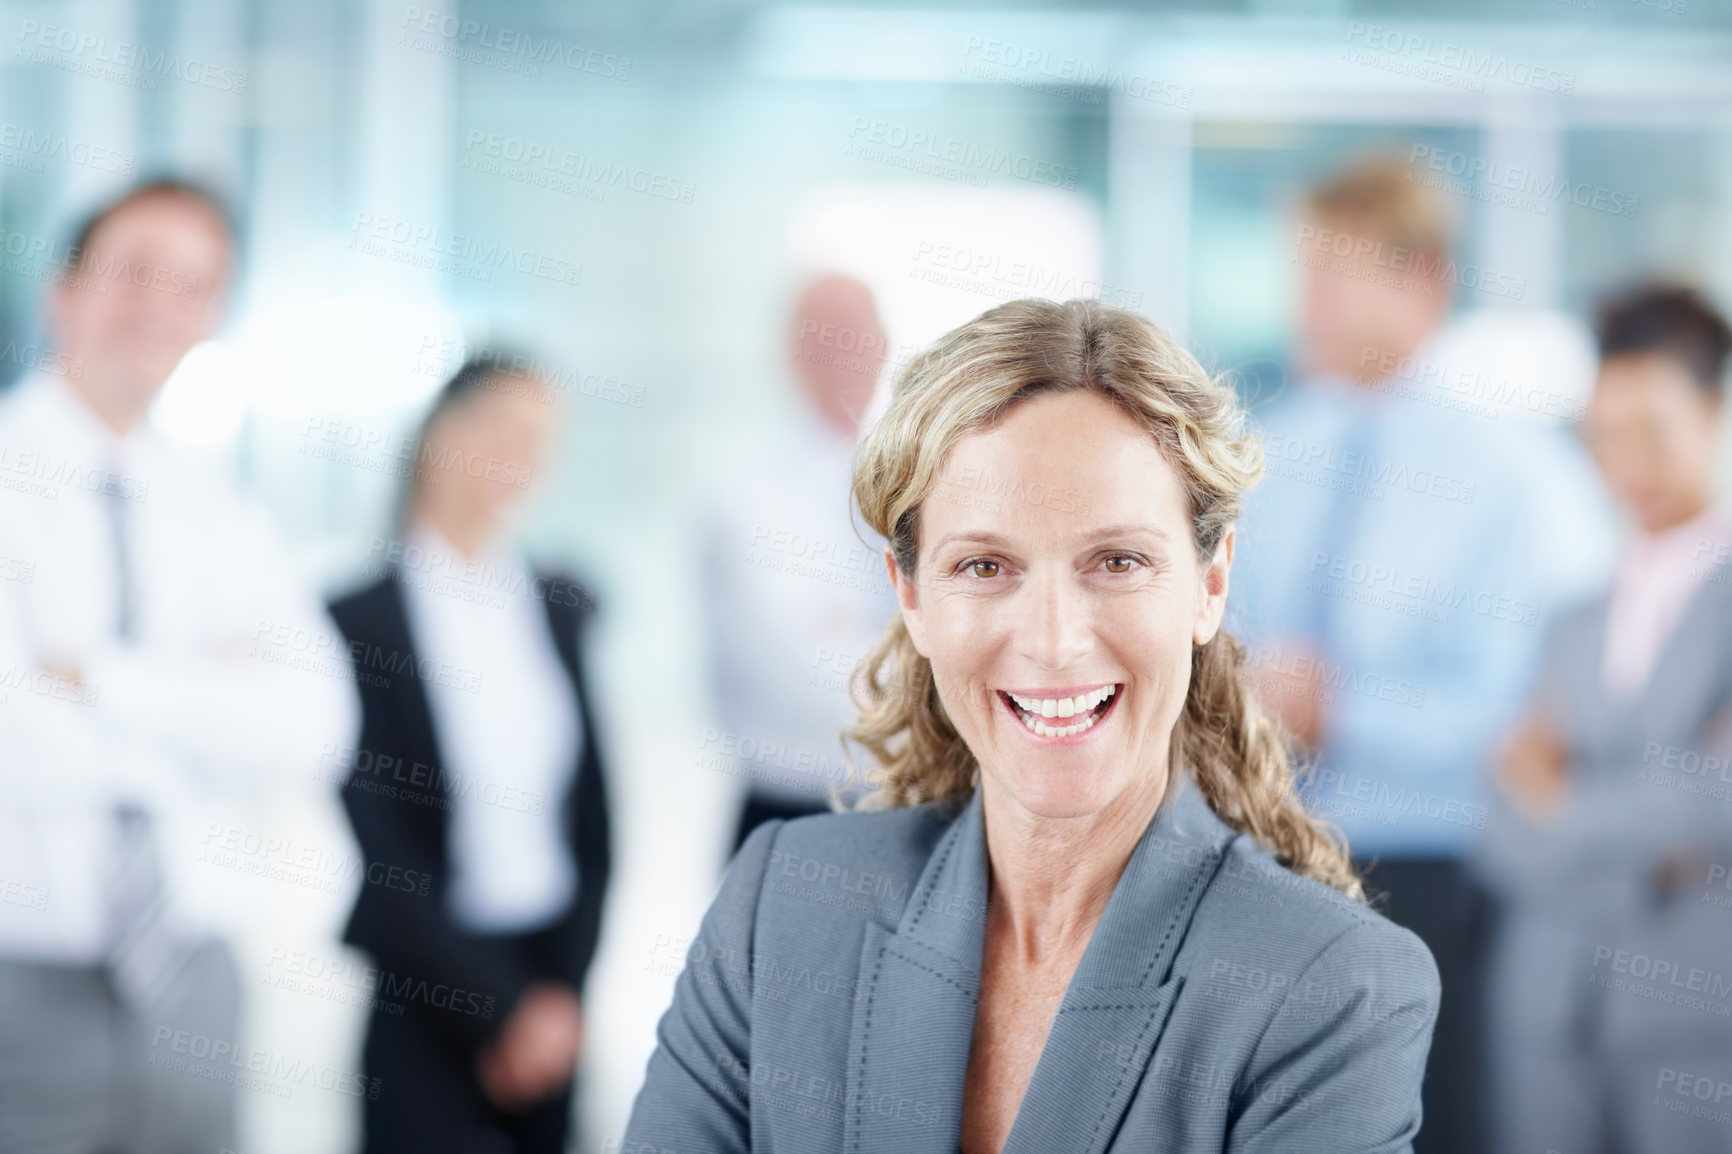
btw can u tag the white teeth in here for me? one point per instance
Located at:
(1063, 706)
(1038, 708)
(1044, 730)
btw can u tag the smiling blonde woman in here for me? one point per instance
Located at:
(1084, 911)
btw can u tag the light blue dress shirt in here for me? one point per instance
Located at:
(1417, 552)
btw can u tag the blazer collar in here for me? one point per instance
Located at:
(914, 1018)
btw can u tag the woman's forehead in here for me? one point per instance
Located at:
(1072, 461)
(1077, 435)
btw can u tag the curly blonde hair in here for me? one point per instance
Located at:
(965, 383)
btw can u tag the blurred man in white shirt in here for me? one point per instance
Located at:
(158, 665)
(796, 597)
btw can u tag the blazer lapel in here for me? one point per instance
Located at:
(1118, 1001)
(1682, 688)
(914, 1010)
(913, 1024)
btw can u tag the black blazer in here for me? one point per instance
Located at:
(398, 797)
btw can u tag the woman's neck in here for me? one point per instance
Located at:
(470, 536)
(1051, 878)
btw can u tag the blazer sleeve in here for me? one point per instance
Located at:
(1340, 1065)
(696, 1093)
(1606, 830)
(1511, 859)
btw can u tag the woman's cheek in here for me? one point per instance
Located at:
(948, 630)
(965, 624)
(1159, 650)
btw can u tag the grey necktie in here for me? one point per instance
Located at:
(145, 950)
(114, 497)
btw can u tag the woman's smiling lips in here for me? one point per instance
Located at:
(1061, 716)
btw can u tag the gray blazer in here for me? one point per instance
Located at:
(1223, 1003)
(1590, 905)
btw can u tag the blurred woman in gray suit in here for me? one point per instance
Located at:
(1087, 913)
(1611, 998)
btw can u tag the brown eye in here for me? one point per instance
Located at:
(1121, 559)
(975, 567)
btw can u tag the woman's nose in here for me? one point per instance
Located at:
(1057, 622)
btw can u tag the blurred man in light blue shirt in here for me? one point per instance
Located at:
(1398, 563)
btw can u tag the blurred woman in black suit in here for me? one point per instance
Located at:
(477, 793)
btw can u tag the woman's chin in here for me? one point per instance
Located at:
(1055, 794)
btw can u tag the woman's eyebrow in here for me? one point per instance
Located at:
(1131, 530)
(978, 537)
(995, 540)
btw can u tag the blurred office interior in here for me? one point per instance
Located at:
(667, 180)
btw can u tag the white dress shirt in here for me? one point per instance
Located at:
(797, 595)
(233, 687)
(509, 737)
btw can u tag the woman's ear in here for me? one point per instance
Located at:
(1212, 591)
(908, 601)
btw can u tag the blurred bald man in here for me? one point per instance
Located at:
(795, 595)
(837, 349)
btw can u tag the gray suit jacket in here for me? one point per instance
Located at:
(1591, 909)
(1223, 1003)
